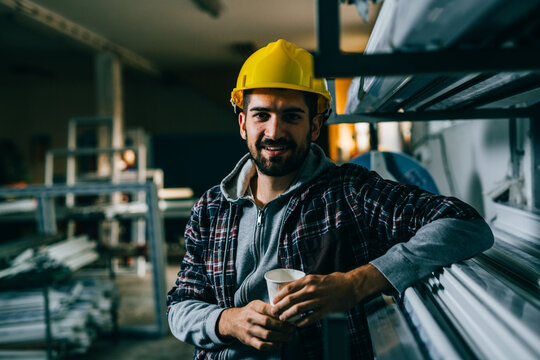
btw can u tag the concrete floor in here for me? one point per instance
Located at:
(137, 308)
(166, 348)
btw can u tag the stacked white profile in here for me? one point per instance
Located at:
(79, 309)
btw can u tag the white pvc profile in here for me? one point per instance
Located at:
(488, 327)
(522, 223)
(471, 327)
(68, 247)
(391, 336)
(436, 341)
(13, 270)
(74, 253)
(491, 83)
(81, 260)
(18, 206)
(515, 326)
(82, 305)
(443, 91)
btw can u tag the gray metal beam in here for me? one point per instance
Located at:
(535, 160)
(157, 255)
(93, 151)
(109, 102)
(475, 114)
(327, 27)
(81, 189)
(440, 62)
(46, 215)
(91, 120)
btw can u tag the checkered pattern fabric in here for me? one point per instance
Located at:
(371, 213)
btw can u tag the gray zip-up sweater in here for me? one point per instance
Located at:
(195, 321)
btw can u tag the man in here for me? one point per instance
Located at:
(285, 205)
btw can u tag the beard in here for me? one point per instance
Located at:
(279, 165)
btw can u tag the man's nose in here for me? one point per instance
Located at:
(273, 128)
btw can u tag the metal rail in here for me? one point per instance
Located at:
(140, 152)
(473, 114)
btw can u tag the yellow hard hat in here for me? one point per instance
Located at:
(280, 64)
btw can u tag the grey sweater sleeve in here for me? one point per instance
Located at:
(194, 322)
(439, 243)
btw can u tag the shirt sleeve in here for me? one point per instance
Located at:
(411, 232)
(438, 243)
(194, 322)
(192, 310)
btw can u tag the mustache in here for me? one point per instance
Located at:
(279, 142)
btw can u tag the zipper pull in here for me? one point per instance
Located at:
(259, 218)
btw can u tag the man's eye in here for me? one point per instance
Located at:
(261, 116)
(292, 117)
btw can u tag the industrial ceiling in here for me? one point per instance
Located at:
(175, 35)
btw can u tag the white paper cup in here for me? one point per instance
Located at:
(277, 279)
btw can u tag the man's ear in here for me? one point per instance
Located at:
(316, 125)
(242, 124)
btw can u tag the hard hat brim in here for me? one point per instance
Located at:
(237, 94)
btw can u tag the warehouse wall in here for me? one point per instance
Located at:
(35, 102)
(468, 159)
(38, 97)
(173, 105)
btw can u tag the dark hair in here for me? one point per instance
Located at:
(309, 98)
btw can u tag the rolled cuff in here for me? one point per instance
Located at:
(210, 326)
(397, 269)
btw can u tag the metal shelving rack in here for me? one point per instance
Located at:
(330, 62)
(437, 309)
(46, 223)
(72, 154)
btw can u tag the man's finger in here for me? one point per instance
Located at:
(300, 308)
(270, 321)
(275, 325)
(270, 335)
(263, 345)
(290, 300)
(261, 307)
(290, 288)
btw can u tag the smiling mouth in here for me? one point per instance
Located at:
(274, 152)
(275, 148)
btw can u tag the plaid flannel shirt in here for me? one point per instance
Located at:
(341, 220)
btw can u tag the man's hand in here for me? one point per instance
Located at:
(255, 325)
(318, 295)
